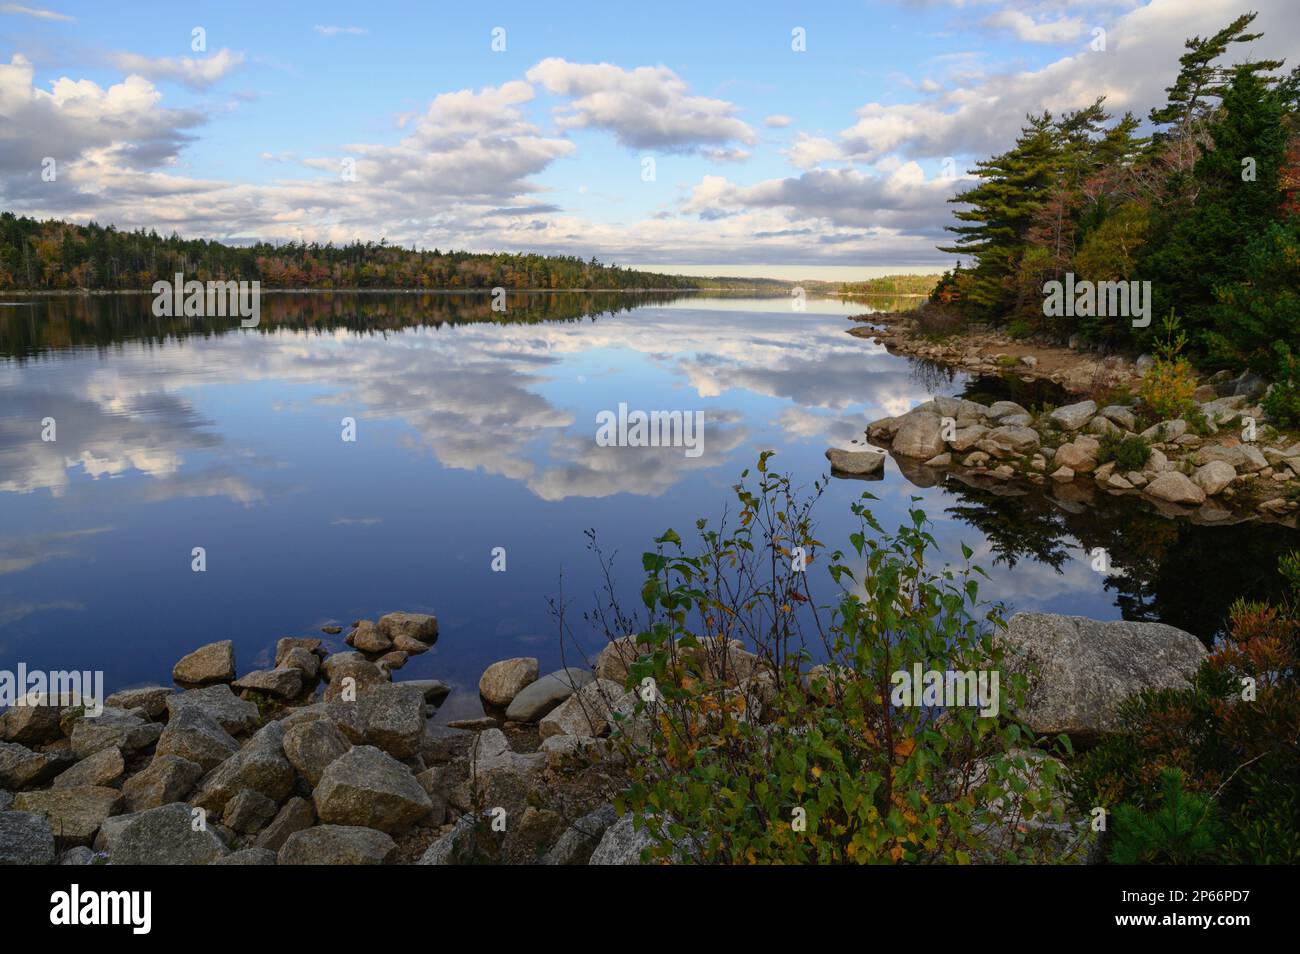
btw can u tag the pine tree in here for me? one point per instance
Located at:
(1200, 79)
(1001, 212)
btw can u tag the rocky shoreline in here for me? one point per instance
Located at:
(325, 760)
(1227, 464)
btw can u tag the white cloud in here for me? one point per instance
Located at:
(336, 30)
(191, 72)
(39, 13)
(645, 108)
(777, 121)
(1026, 28)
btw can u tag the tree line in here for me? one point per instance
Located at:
(53, 255)
(1206, 207)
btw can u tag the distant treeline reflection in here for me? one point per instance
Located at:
(30, 326)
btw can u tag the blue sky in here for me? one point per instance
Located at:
(822, 162)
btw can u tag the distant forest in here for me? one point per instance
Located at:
(53, 255)
(892, 285)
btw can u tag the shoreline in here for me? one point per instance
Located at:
(982, 349)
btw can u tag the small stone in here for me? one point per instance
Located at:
(1175, 487)
(195, 736)
(74, 814)
(303, 660)
(162, 836)
(235, 715)
(615, 658)
(540, 697)
(297, 814)
(286, 644)
(279, 683)
(409, 645)
(167, 779)
(248, 856)
(248, 811)
(312, 746)
(1063, 474)
(417, 626)
(1074, 416)
(25, 839)
(855, 463)
(1214, 477)
(390, 717)
(212, 663)
(622, 844)
(151, 700)
(370, 788)
(920, 435)
(589, 711)
(260, 766)
(367, 638)
(31, 722)
(435, 690)
(503, 680)
(337, 845)
(113, 727)
(1165, 430)
(101, 770)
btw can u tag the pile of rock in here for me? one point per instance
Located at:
(1185, 470)
(276, 768)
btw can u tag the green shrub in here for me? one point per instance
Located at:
(1183, 830)
(821, 766)
(1168, 385)
(1129, 452)
(1282, 402)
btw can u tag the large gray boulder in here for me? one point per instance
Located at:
(214, 662)
(920, 435)
(538, 698)
(166, 835)
(1086, 668)
(20, 766)
(367, 787)
(337, 845)
(25, 839)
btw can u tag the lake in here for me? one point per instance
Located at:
(474, 431)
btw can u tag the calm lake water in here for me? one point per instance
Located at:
(471, 434)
